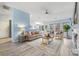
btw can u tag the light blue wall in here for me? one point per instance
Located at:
(19, 17)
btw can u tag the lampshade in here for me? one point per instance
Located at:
(21, 28)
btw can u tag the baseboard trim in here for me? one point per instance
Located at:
(4, 37)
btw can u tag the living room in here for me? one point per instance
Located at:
(38, 28)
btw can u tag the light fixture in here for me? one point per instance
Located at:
(46, 11)
(38, 23)
(21, 28)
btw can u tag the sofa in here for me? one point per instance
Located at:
(32, 35)
(28, 36)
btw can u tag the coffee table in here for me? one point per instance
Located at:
(45, 40)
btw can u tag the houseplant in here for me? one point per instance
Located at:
(66, 28)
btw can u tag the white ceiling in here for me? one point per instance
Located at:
(57, 10)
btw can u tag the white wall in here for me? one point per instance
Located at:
(4, 26)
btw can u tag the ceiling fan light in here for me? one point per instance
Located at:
(46, 12)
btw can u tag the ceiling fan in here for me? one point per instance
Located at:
(46, 11)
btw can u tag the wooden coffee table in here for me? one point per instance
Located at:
(45, 40)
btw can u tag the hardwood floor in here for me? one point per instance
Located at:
(34, 48)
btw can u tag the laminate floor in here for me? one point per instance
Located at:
(34, 48)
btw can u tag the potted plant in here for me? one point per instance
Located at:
(66, 27)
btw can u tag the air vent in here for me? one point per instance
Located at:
(5, 7)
